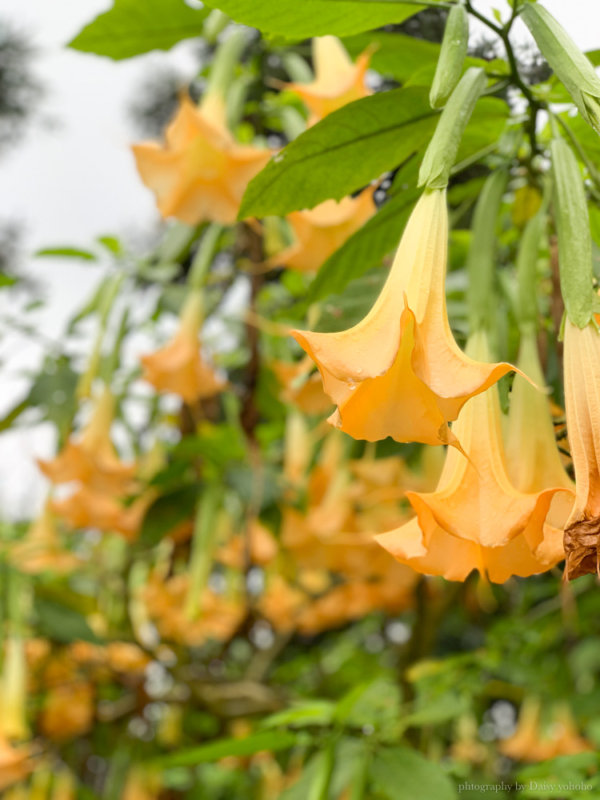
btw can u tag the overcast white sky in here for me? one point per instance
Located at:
(69, 184)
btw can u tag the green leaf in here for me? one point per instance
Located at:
(396, 55)
(343, 153)
(343, 311)
(132, 27)
(67, 252)
(6, 280)
(366, 248)
(256, 743)
(446, 707)
(401, 56)
(62, 623)
(294, 20)
(167, 512)
(302, 715)
(403, 774)
(112, 244)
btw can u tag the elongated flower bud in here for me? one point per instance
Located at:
(567, 61)
(441, 153)
(527, 308)
(452, 57)
(574, 238)
(481, 260)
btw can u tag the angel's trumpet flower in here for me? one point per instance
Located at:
(178, 367)
(582, 378)
(320, 231)
(533, 458)
(92, 460)
(16, 763)
(528, 742)
(399, 372)
(301, 387)
(201, 173)
(338, 80)
(476, 519)
(41, 550)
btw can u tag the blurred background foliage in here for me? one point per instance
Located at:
(209, 618)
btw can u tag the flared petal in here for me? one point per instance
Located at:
(338, 80)
(92, 459)
(399, 372)
(476, 519)
(320, 231)
(200, 173)
(178, 367)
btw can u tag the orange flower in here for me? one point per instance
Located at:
(40, 550)
(16, 763)
(301, 388)
(68, 710)
(338, 80)
(476, 519)
(93, 460)
(528, 743)
(322, 230)
(200, 173)
(87, 509)
(141, 784)
(582, 377)
(399, 372)
(165, 601)
(533, 459)
(178, 367)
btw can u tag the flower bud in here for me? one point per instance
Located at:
(568, 62)
(441, 153)
(452, 57)
(574, 237)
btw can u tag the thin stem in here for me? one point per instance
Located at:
(515, 77)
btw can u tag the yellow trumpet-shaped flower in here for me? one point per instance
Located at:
(178, 366)
(399, 372)
(300, 387)
(41, 549)
(529, 743)
(320, 231)
(92, 460)
(476, 519)
(582, 378)
(338, 80)
(533, 459)
(16, 763)
(200, 173)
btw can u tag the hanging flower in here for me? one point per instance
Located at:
(92, 460)
(41, 550)
(476, 519)
(178, 367)
(399, 372)
(530, 743)
(322, 230)
(301, 387)
(582, 378)
(338, 81)
(200, 173)
(16, 763)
